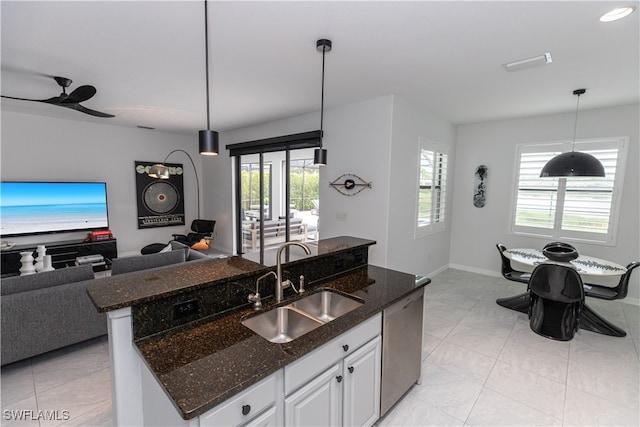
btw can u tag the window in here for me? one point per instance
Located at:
(431, 197)
(583, 208)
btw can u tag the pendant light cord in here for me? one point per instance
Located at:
(206, 60)
(575, 125)
(324, 48)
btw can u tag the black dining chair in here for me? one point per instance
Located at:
(507, 271)
(611, 293)
(556, 301)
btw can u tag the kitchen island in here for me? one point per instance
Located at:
(205, 358)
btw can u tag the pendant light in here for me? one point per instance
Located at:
(208, 139)
(573, 163)
(320, 154)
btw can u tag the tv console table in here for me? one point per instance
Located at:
(63, 254)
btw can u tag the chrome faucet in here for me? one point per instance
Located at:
(255, 298)
(280, 285)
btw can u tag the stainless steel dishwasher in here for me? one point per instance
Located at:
(401, 347)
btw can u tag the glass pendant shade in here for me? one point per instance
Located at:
(320, 157)
(208, 142)
(159, 171)
(573, 163)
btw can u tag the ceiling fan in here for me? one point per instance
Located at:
(70, 100)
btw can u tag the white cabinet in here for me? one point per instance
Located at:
(267, 419)
(339, 383)
(336, 384)
(318, 403)
(256, 406)
(361, 372)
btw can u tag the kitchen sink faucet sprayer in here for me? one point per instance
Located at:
(280, 285)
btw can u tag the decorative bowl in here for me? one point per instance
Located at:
(559, 251)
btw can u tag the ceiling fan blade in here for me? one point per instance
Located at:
(80, 94)
(86, 110)
(54, 100)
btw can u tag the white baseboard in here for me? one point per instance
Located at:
(438, 271)
(475, 270)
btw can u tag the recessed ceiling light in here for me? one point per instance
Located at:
(617, 13)
(534, 61)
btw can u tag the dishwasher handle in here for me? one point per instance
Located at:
(406, 302)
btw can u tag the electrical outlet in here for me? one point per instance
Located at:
(185, 308)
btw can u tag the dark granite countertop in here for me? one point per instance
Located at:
(125, 290)
(202, 364)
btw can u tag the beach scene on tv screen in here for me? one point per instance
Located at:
(28, 208)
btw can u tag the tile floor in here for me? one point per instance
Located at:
(482, 366)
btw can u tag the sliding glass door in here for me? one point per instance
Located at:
(277, 199)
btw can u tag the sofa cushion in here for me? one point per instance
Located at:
(176, 246)
(12, 285)
(136, 263)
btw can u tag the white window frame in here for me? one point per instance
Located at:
(438, 220)
(608, 238)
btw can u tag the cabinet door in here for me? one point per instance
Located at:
(319, 403)
(362, 374)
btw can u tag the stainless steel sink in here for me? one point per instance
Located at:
(326, 305)
(281, 325)
(284, 324)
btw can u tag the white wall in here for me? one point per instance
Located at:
(425, 254)
(39, 148)
(475, 231)
(377, 141)
(357, 138)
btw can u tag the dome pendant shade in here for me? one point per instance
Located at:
(320, 157)
(159, 171)
(573, 163)
(208, 142)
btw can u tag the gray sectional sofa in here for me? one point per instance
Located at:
(46, 311)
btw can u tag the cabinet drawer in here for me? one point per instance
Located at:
(304, 369)
(244, 406)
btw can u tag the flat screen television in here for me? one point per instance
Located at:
(52, 207)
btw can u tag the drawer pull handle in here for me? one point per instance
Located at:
(246, 409)
(345, 347)
(350, 369)
(339, 378)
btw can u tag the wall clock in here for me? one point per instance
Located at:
(349, 184)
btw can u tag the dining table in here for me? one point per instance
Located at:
(590, 269)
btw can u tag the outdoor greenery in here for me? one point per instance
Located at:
(250, 185)
(304, 185)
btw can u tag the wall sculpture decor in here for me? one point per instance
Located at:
(349, 184)
(480, 186)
